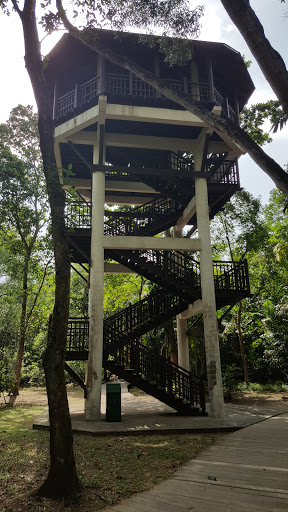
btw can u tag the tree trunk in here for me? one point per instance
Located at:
(62, 478)
(22, 334)
(240, 337)
(222, 125)
(269, 60)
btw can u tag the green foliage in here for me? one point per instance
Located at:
(120, 290)
(276, 387)
(6, 379)
(230, 380)
(24, 208)
(25, 257)
(264, 317)
(239, 228)
(255, 118)
(246, 62)
(171, 17)
(78, 295)
(32, 369)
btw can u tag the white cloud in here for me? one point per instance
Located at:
(211, 24)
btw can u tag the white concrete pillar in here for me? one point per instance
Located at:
(94, 366)
(183, 343)
(182, 338)
(214, 374)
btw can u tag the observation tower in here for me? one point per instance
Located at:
(129, 145)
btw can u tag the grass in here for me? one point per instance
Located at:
(275, 387)
(110, 468)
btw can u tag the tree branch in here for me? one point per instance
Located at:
(28, 316)
(15, 5)
(269, 60)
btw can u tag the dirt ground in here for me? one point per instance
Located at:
(255, 398)
(37, 396)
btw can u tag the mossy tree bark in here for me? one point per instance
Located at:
(62, 478)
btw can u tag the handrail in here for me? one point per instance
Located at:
(160, 371)
(123, 348)
(170, 265)
(78, 214)
(142, 315)
(122, 85)
(141, 217)
(77, 334)
(122, 329)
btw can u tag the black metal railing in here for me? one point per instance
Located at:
(172, 264)
(123, 85)
(231, 276)
(89, 90)
(134, 220)
(160, 371)
(226, 174)
(123, 349)
(78, 214)
(123, 328)
(181, 163)
(77, 335)
(142, 316)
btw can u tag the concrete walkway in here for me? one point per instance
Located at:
(148, 415)
(245, 472)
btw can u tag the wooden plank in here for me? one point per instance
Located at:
(203, 504)
(261, 481)
(250, 476)
(224, 494)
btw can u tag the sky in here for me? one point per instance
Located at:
(216, 26)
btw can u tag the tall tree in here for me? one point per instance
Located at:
(62, 477)
(239, 230)
(23, 210)
(264, 316)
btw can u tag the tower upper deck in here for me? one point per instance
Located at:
(142, 128)
(216, 75)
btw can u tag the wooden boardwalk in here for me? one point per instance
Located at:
(246, 471)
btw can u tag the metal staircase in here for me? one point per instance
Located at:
(178, 275)
(125, 356)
